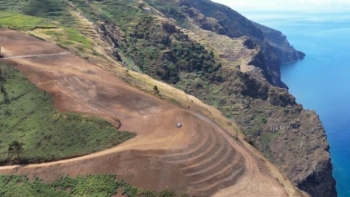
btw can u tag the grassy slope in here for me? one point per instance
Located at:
(49, 9)
(69, 37)
(27, 114)
(92, 185)
(64, 36)
(22, 22)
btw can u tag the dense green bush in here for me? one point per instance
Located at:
(91, 185)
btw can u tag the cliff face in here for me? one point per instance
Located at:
(225, 21)
(285, 52)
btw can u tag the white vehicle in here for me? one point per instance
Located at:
(179, 125)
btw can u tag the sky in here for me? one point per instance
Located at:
(283, 5)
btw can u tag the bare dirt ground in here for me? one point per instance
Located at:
(199, 158)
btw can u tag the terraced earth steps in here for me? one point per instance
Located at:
(203, 143)
(202, 161)
(211, 171)
(193, 154)
(210, 163)
(216, 178)
(224, 182)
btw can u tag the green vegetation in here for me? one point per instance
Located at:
(64, 36)
(91, 185)
(260, 120)
(69, 37)
(23, 22)
(55, 10)
(169, 8)
(27, 115)
(157, 47)
(16, 147)
(156, 90)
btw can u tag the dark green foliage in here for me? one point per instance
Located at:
(167, 193)
(91, 185)
(15, 147)
(281, 97)
(96, 185)
(156, 90)
(49, 9)
(254, 88)
(27, 115)
(14, 185)
(158, 48)
(260, 120)
(163, 52)
(169, 8)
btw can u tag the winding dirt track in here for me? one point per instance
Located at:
(199, 158)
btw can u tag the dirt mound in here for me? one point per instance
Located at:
(199, 157)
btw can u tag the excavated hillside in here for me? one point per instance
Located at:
(199, 158)
(215, 54)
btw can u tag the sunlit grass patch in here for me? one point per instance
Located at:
(23, 22)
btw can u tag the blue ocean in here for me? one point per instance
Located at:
(321, 81)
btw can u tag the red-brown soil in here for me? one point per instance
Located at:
(199, 158)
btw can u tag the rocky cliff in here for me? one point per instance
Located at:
(285, 52)
(225, 21)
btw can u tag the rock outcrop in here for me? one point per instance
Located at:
(225, 21)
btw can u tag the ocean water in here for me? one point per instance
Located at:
(321, 81)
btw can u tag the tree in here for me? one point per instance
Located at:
(156, 90)
(16, 147)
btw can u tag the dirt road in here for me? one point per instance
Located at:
(199, 157)
(37, 55)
